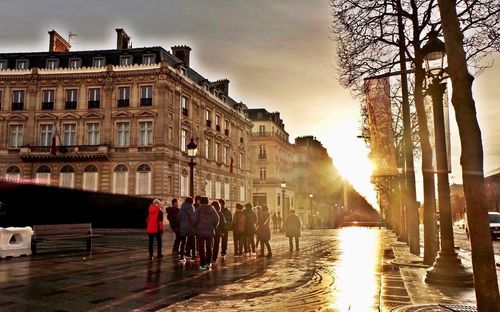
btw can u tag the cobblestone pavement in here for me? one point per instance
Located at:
(336, 270)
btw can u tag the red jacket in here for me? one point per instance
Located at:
(155, 221)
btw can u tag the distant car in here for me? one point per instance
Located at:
(494, 218)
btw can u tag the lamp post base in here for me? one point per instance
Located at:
(449, 270)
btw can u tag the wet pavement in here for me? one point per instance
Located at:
(351, 269)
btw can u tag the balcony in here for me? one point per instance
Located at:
(269, 135)
(185, 112)
(48, 105)
(217, 127)
(70, 105)
(18, 106)
(123, 103)
(65, 153)
(263, 156)
(226, 132)
(146, 102)
(94, 104)
(209, 123)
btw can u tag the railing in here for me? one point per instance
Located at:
(94, 104)
(226, 131)
(262, 156)
(18, 106)
(47, 105)
(209, 123)
(217, 127)
(123, 103)
(147, 102)
(71, 105)
(185, 112)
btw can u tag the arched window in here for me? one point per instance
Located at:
(43, 175)
(13, 173)
(143, 180)
(90, 178)
(208, 187)
(67, 177)
(184, 183)
(120, 179)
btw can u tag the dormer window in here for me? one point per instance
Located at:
(98, 61)
(3, 64)
(207, 88)
(183, 71)
(75, 63)
(52, 63)
(126, 60)
(148, 59)
(22, 64)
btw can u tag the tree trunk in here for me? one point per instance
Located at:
(483, 262)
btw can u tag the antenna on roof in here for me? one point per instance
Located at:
(71, 35)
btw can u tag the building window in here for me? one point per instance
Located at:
(242, 193)
(3, 64)
(71, 98)
(208, 118)
(217, 122)
(170, 134)
(184, 183)
(43, 175)
(69, 134)
(13, 173)
(143, 180)
(90, 178)
(242, 159)
(94, 100)
(148, 59)
(262, 129)
(123, 96)
(226, 127)
(48, 99)
(46, 133)
(145, 133)
(120, 180)
(93, 134)
(122, 134)
(226, 190)
(146, 95)
(183, 140)
(262, 152)
(184, 106)
(278, 200)
(22, 64)
(98, 62)
(126, 60)
(218, 189)
(75, 63)
(208, 187)
(217, 152)
(18, 100)
(225, 154)
(263, 173)
(67, 177)
(52, 63)
(207, 148)
(16, 136)
(1, 98)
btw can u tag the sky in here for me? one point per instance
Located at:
(278, 55)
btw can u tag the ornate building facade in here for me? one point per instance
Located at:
(119, 121)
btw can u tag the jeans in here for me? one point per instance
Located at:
(225, 237)
(187, 246)
(249, 243)
(217, 242)
(238, 243)
(177, 242)
(205, 245)
(151, 242)
(267, 245)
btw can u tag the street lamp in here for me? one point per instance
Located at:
(311, 222)
(192, 149)
(447, 269)
(283, 187)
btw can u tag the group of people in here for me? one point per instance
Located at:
(202, 229)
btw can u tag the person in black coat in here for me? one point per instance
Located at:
(292, 229)
(264, 231)
(250, 223)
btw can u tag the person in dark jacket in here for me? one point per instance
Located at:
(206, 223)
(155, 227)
(264, 231)
(187, 230)
(219, 231)
(228, 218)
(173, 219)
(250, 222)
(292, 229)
(238, 227)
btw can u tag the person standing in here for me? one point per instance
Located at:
(292, 229)
(219, 231)
(280, 221)
(238, 230)
(264, 231)
(228, 218)
(173, 219)
(257, 210)
(250, 222)
(155, 227)
(274, 218)
(187, 230)
(206, 223)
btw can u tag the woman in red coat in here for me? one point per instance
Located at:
(155, 226)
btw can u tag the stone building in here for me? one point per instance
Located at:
(119, 121)
(272, 157)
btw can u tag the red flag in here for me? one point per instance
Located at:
(53, 146)
(231, 166)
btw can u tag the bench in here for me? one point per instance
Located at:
(49, 232)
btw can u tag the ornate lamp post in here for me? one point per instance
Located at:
(311, 222)
(192, 149)
(283, 187)
(447, 269)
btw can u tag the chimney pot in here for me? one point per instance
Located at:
(223, 85)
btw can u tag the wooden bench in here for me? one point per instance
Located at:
(49, 232)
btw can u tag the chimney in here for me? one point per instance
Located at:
(57, 43)
(182, 53)
(223, 85)
(122, 39)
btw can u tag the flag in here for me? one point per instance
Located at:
(53, 147)
(231, 166)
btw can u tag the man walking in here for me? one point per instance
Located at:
(173, 219)
(228, 218)
(292, 229)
